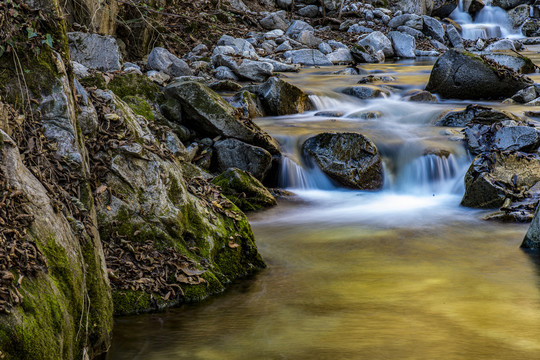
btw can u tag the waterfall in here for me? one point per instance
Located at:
(490, 22)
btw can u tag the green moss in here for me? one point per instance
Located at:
(199, 292)
(131, 302)
(139, 106)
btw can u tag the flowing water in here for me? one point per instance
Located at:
(401, 273)
(490, 22)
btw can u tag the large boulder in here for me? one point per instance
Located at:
(244, 190)
(351, 159)
(494, 177)
(280, 97)
(210, 114)
(462, 75)
(161, 59)
(95, 51)
(232, 153)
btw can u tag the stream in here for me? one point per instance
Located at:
(401, 273)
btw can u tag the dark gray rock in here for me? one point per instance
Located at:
(95, 51)
(509, 4)
(463, 75)
(232, 153)
(443, 10)
(420, 96)
(349, 158)
(310, 11)
(531, 28)
(163, 60)
(460, 118)
(532, 238)
(366, 92)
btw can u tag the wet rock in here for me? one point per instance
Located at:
(532, 238)
(526, 95)
(255, 70)
(495, 177)
(280, 97)
(420, 96)
(404, 45)
(95, 51)
(519, 15)
(307, 57)
(232, 153)
(517, 138)
(432, 27)
(244, 190)
(463, 75)
(349, 158)
(163, 60)
(378, 41)
(460, 118)
(210, 114)
(366, 92)
(519, 64)
(531, 28)
(476, 6)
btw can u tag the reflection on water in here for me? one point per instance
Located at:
(404, 273)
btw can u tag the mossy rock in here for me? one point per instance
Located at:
(244, 190)
(139, 106)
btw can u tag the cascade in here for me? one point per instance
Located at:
(490, 22)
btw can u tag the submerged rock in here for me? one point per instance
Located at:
(532, 238)
(462, 75)
(244, 190)
(351, 159)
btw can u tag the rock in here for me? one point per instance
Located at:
(438, 45)
(244, 190)
(87, 116)
(274, 34)
(476, 6)
(419, 7)
(79, 70)
(284, 4)
(432, 27)
(404, 45)
(460, 118)
(249, 103)
(284, 46)
(349, 158)
(410, 31)
(501, 45)
(210, 114)
(279, 97)
(517, 138)
(509, 4)
(307, 57)
(281, 67)
(161, 59)
(307, 38)
(378, 41)
(463, 75)
(95, 51)
(337, 45)
(411, 20)
(310, 11)
(454, 37)
(255, 70)
(445, 9)
(532, 238)
(519, 15)
(526, 95)
(365, 92)
(132, 68)
(325, 48)
(225, 86)
(340, 56)
(158, 77)
(276, 20)
(420, 96)
(232, 153)
(297, 27)
(531, 28)
(359, 29)
(241, 47)
(494, 177)
(224, 73)
(366, 54)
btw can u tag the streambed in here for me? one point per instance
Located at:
(402, 273)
